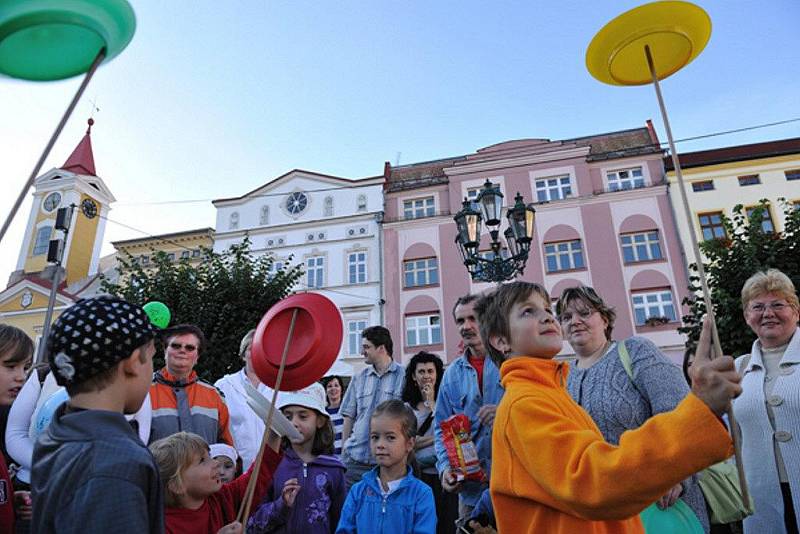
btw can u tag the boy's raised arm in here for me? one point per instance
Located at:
(575, 471)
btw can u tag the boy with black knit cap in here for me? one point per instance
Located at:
(91, 472)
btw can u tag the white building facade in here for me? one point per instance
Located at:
(327, 224)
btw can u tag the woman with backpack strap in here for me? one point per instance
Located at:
(617, 402)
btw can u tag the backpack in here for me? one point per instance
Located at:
(720, 482)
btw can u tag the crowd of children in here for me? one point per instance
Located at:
(552, 471)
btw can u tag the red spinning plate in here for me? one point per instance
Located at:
(315, 342)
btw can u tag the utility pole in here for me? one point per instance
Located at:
(55, 255)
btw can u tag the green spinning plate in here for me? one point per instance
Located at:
(676, 33)
(45, 40)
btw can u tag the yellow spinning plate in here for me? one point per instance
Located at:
(676, 33)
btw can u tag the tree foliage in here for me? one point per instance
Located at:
(225, 294)
(731, 261)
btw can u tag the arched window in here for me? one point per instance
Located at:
(329, 206)
(264, 218)
(362, 202)
(234, 223)
(42, 242)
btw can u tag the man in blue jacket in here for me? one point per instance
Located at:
(471, 385)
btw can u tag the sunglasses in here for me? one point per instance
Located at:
(178, 346)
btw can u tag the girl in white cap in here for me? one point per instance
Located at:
(228, 460)
(308, 487)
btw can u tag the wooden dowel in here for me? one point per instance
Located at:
(716, 345)
(244, 508)
(22, 194)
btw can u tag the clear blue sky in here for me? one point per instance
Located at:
(212, 99)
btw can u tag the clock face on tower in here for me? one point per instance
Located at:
(89, 208)
(296, 203)
(52, 201)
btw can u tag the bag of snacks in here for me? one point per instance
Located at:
(461, 452)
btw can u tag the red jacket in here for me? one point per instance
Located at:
(6, 498)
(221, 508)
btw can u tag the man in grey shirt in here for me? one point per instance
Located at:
(381, 381)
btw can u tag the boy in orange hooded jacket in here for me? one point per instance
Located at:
(551, 469)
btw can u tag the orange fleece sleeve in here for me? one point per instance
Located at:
(568, 466)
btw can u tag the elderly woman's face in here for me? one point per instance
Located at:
(772, 319)
(584, 328)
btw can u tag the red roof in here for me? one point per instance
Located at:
(729, 154)
(82, 159)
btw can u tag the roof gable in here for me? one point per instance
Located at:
(295, 175)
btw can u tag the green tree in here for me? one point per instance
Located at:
(226, 294)
(731, 261)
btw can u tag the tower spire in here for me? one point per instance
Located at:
(81, 161)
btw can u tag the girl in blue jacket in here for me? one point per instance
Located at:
(389, 499)
(308, 487)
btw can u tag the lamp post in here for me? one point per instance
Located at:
(518, 236)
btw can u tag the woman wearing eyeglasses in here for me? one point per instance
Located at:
(616, 400)
(181, 401)
(768, 410)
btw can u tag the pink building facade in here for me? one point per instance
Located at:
(603, 218)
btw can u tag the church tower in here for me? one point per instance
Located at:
(74, 184)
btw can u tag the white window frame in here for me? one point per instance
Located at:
(648, 244)
(473, 192)
(315, 271)
(427, 267)
(569, 254)
(561, 189)
(353, 329)
(423, 330)
(616, 182)
(277, 265)
(328, 206)
(357, 268)
(362, 202)
(233, 222)
(653, 303)
(263, 217)
(41, 243)
(417, 208)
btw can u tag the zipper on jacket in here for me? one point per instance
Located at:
(305, 470)
(383, 504)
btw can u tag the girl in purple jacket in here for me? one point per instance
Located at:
(308, 487)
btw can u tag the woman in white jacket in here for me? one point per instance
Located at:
(247, 428)
(768, 410)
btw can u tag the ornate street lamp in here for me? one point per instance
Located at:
(518, 236)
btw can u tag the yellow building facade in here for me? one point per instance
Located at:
(177, 246)
(74, 185)
(719, 179)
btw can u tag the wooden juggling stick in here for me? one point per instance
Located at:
(244, 508)
(22, 194)
(716, 345)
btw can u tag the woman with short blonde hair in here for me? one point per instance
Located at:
(768, 410)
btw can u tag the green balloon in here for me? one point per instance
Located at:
(44, 40)
(158, 313)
